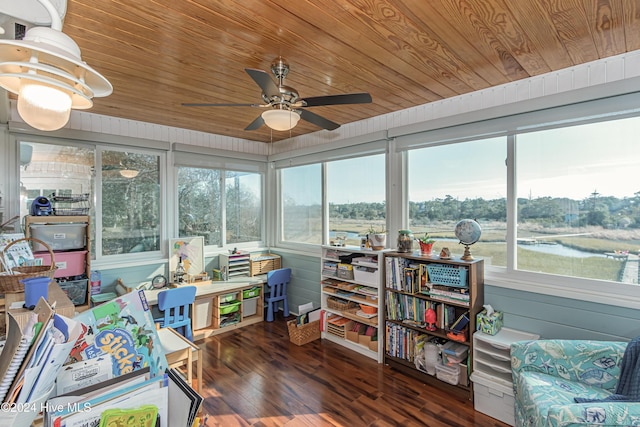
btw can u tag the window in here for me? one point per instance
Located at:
(129, 218)
(301, 190)
(447, 183)
(243, 207)
(130, 202)
(69, 167)
(578, 201)
(200, 204)
(356, 197)
(203, 192)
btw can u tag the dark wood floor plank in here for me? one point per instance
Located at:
(255, 376)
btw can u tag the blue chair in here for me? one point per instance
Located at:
(175, 304)
(276, 291)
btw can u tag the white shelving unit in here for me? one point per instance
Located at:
(492, 380)
(364, 288)
(236, 264)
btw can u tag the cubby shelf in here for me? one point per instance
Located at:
(351, 280)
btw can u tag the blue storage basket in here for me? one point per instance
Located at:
(448, 275)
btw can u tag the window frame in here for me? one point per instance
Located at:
(206, 158)
(509, 277)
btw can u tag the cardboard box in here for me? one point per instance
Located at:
(490, 325)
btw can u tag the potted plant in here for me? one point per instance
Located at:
(426, 244)
(377, 238)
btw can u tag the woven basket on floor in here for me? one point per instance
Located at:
(303, 334)
(10, 283)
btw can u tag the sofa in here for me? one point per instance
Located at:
(549, 374)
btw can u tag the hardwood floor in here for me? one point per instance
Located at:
(255, 377)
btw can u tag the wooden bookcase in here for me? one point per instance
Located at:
(404, 314)
(345, 291)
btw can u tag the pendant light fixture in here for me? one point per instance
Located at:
(46, 72)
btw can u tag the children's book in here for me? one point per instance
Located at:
(120, 333)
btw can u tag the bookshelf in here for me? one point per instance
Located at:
(408, 292)
(351, 296)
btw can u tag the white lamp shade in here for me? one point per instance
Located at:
(50, 59)
(129, 173)
(280, 119)
(43, 107)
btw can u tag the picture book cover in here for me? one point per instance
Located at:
(121, 336)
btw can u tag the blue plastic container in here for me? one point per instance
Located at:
(34, 288)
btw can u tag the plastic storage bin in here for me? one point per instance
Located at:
(493, 398)
(60, 237)
(202, 312)
(76, 290)
(228, 297)
(249, 307)
(366, 275)
(250, 293)
(229, 307)
(449, 374)
(68, 263)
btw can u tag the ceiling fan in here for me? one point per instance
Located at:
(283, 104)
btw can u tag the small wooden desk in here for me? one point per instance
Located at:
(179, 351)
(63, 304)
(209, 293)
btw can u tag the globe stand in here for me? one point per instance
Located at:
(467, 254)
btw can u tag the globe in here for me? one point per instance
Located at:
(468, 231)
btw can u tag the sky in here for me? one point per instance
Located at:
(570, 162)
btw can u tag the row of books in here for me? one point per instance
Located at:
(401, 306)
(411, 310)
(401, 341)
(407, 276)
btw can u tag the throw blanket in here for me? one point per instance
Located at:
(628, 388)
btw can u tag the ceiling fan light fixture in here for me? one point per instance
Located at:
(280, 120)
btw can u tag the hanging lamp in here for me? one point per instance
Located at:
(46, 72)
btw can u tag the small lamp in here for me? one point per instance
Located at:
(47, 74)
(281, 119)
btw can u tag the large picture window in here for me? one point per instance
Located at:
(578, 202)
(130, 202)
(356, 198)
(301, 204)
(447, 183)
(202, 194)
(129, 193)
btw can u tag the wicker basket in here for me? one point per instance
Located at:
(10, 283)
(340, 304)
(303, 334)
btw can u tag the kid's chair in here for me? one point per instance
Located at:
(277, 291)
(175, 303)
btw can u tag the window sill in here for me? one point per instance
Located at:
(615, 294)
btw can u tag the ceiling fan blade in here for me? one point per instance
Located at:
(219, 105)
(318, 120)
(264, 80)
(347, 98)
(259, 121)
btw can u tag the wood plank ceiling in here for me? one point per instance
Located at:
(159, 54)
